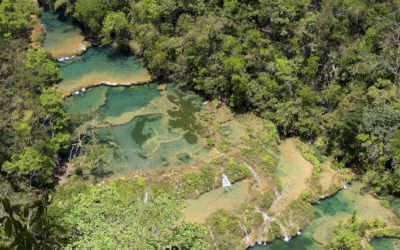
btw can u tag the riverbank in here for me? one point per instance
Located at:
(62, 39)
(101, 66)
(161, 141)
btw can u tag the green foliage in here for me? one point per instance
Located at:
(194, 183)
(226, 230)
(15, 18)
(43, 69)
(326, 70)
(310, 155)
(31, 163)
(190, 236)
(33, 125)
(115, 27)
(27, 227)
(115, 216)
(267, 199)
(91, 13)
(348, 235)
(236, 171)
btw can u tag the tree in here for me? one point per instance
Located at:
(27, 227)
(190, 236)
(114, 216)
(347, 236)
(15, 18)
(91, 14)
(30, 163)
(114, 28)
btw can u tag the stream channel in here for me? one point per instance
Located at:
(150, 127)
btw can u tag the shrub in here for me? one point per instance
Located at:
(267, 199)
(236, 171)
(193, 184)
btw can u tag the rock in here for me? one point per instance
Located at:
(162, 87)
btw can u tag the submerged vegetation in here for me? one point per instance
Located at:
(144, 166)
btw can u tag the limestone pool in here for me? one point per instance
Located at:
(144, 126)
(62, 38)
(330, 211)
(148, 126)
(100, 65)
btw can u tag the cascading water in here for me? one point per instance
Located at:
(264, 215)
(344, 185)
(243, 227)
(225, 182)
(285, 233)
(254, 173)
(278, 196)
(146, 197)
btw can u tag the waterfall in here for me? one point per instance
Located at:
(243, 227)
(225, 181)
(278, 196)
(146, 197)
(264, 215)
(285, 233)
(344, 184)
(62, 59)
(212, 234)
(255, 175)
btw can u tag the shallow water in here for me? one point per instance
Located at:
(385, 244)
(154, 136)
(294, 172)
(330, 212)
(143, 126)
(62, 37)
(198, 210)
(100, 65)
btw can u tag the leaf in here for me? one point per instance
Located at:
(17, 209)
(3, 219)
(17, 241)
(39, 213)
(26, 211)
(29, 240)
(17, 225)
(7, 206)
(8, 227)
(22, 247)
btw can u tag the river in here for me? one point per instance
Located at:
(148, 126)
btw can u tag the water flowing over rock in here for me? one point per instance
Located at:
(278, 196)
(243, 227)
(225, 181)
(285, 233)
(264, 215)
(254, 173)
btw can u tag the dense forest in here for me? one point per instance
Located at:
(326, 71)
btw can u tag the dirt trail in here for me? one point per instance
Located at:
(294, 172)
